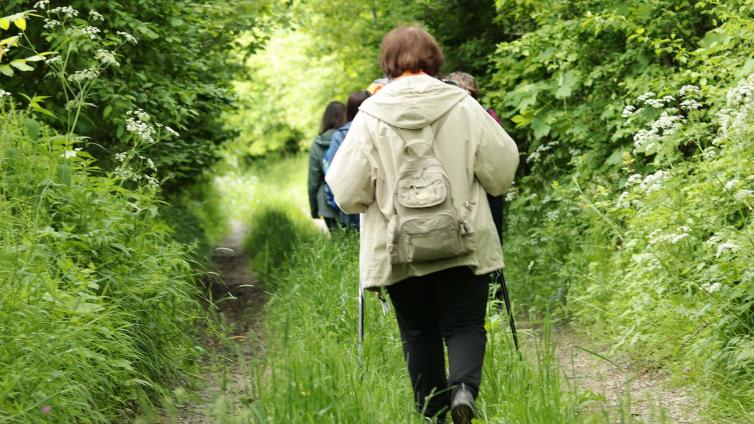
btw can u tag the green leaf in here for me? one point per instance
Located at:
(21, 65)
(6, 70)
(567, 82)
(540, 127)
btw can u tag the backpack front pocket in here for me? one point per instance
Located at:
(430, 239)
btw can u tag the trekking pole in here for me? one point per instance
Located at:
(360, 343)
(503, 291)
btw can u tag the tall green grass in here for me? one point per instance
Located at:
(309, 371)
(97, 302)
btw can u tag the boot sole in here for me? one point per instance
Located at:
(462, 414)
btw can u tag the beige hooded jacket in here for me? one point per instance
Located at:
(477, 154)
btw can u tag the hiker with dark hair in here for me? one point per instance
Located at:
(417, 163)
(352, 108)
(333, 118)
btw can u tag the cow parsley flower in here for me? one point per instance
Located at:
(688, 89)
(80, 76)
(41, 4)
(120, 157)
(66, 11)
(646, 96)
(137, 124)
(70, 153)
(51, 23)
(4, 93)
(725, 247)
(95, 16)
(690, 104)
(106, 57)
(127, 37)
(653, 182)
(91, 32)
(628, 111)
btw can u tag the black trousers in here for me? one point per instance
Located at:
(447, 306)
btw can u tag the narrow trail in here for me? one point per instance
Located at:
(617, 379)
(224, 388)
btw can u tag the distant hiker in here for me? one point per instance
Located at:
(352, 108)
(333, 118)
(468, 83)
(417, 162)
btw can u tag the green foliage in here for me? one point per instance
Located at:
(97, 300)
(633, 212)
(171, 59)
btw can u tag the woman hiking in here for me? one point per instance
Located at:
(352, 108)
(418, 145)
(333, 118)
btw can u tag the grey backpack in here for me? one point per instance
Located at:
(426, 225)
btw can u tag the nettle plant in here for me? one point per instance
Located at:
(71, 32)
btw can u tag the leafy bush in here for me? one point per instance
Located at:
(98, 301)
(172, 59)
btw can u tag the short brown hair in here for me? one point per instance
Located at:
(410, 48)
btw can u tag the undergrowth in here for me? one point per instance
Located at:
(98, 300)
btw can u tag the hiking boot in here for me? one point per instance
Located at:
(462, 406)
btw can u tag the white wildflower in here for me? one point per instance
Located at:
(666, 122)
(654, 181)
(690, 104)
(511, 195)
(53, 60)
(70, 153)
(4, 93)
(150, 164)
(645, 138)
(655, 103)
(710, 153)
(51, 24)
(81, 76)
(67, 11)
(41, 4)
(127, 37)
(711, 287)
(137, 124)
(106, 57)
(171, 131)
(552, 215)
(731, 185)
(688, 89)
(120, 157)
(628, 111)
(634, 179)
(152, 182)
(668, 99)
(95, 16)
(91, 32)
(537, 154)
(621, 202)
(646, 96)
(724, 247)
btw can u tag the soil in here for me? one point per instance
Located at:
(238, 300)
(616, 379)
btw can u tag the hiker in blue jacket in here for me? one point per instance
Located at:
(352, 108)
(333, 118)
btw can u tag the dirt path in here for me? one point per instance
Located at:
(224, 387)
(617, 379)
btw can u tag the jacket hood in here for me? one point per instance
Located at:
(324, 138)
(413, 102)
